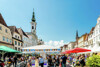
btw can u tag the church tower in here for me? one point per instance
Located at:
(33, 24)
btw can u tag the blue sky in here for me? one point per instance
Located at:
(56, 19)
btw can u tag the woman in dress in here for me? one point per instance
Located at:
(36, 62)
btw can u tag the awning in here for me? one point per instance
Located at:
(7, 49)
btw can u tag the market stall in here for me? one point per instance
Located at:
(4, 49)
(42, 49)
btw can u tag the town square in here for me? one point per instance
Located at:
(49, 33)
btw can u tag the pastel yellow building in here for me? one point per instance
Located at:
(5, 34)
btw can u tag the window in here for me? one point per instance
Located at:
(3, 38)
(99, 44)
(0, 28)
(18, 37)
(15, 48)
(7, 39)
(32, 27)
(21, 44)
(6, 31)
(18, 49)
(15, 36)
(10, 41)
(18, 43)
(15, 42)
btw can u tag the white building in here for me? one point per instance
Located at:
(40, 42)
(64, 48)
(71, 45)
(96, 34)
(90, 38)
(26, 40)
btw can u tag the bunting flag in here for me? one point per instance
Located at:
(27, 49)
(22, 49)
(58, 49)
(32, 49)
(44, 50)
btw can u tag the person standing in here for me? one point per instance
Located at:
(15, 60)
(36, 62)
(64, 58)
(49, 61)
(41, 60)
(55, 61)
(58, 60)
(82, 61)
(10, 61)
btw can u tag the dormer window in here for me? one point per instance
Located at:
(18, 37)
(15, 36)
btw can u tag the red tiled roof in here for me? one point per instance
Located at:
(2, 21)
(92, 30)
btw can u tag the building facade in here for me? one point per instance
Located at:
(64, 48)
(71, 45)
(82, 41)
(90, 38)
(16, 38)
(40, 42)
(5, 34)
(96, 34)
(26, 40)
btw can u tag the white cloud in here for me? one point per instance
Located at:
(55, 43)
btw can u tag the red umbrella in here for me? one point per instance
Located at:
(77, 50)
(68, 51)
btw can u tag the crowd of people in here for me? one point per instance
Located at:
(57, 61)
(48, 61)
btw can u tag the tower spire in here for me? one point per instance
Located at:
(76, 33)
(33, 17)
(77, 38)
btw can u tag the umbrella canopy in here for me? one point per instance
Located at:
(41, 47)
(67, 52)
(7, 49)
(77, 50)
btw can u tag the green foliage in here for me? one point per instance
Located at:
(93, 61)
